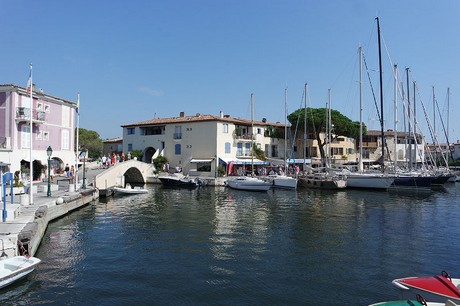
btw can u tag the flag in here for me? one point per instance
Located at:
(29, 82)
(78, 105)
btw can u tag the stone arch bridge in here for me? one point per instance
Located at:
(131, 171)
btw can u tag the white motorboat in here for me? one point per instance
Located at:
(248, 183)
(14, 268)
(129, 190)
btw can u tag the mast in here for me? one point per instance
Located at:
(305, 132)
(408, 120)
(415, 128)
(360, 162)
(381, 97)
(285, 129)
(395, 137)
(434, 112)
(329, 130)
(252, 134)
(447, 135)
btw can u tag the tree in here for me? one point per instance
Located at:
(316, 124)
(91, 141)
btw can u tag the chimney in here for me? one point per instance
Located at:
(182, 114)
(221, 114)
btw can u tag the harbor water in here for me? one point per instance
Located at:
(216, 246)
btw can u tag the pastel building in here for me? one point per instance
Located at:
(53, 124)
(201, 144)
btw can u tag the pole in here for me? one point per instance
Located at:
(48, 194)
(76, 142)
(31, 167)
(83, 186)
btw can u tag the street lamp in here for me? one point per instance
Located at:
(83, 186)
(49, 152)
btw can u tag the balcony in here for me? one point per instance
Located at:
(23, 114)
(244, 137)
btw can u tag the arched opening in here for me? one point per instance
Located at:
(134, 177)
(148, 154)
(57, 164)
(38, 168)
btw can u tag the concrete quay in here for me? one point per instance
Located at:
(26, 224)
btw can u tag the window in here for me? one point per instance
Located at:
(259, 131)
(239, 149)
(131, 131)
(177, 149)
(25, 137)
(65, 139)
(130, 147)
(225, 125)
(46, 135)
(47, 108)
(227, 147)
(39, 106)
(247, 151)
(178, 132)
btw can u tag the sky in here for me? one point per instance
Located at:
(132, 61)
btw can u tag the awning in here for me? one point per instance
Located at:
(201, 160)
(240, 161)
(299, 161)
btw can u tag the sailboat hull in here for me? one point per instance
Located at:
(369, 181)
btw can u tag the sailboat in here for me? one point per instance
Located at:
(282, 180)
(325, 179)
(362, 179)
(249, 183)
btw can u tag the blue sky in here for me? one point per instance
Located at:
(136, 60)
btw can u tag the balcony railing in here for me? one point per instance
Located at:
(177, 135)
(23, 114)
(244, 137)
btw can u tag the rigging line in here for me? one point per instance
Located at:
(443, 127)
(430, 127)
(372, 89)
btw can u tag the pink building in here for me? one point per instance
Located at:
(53, 124)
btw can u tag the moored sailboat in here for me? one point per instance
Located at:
(245, 182)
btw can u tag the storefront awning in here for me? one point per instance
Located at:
(201, 160)
(240, 161)
(299, 161)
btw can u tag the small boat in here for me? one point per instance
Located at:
(419, 302)
(129, 190)
(438, 288)
(248, 183)
(14, 268)
(179, 180)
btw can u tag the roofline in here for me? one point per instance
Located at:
(23, 91)
(200, 118)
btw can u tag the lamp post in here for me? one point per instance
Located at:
(83, 186)
(49, 152)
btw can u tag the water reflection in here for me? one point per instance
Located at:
(217, 246)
